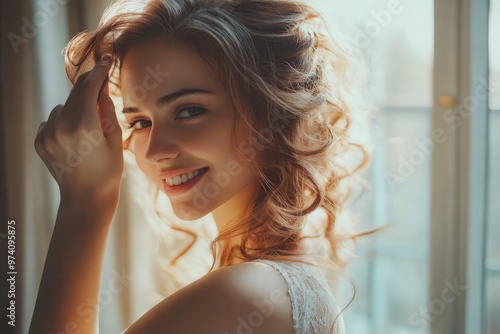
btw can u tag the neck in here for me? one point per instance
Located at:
(233, 212)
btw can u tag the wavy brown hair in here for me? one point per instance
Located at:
(288, 80)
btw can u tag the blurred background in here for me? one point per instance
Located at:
(433, 70)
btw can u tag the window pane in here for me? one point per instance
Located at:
(493, 246)
(394, 39)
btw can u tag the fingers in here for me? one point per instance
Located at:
(75, 131)
(91, 87)
(44, 127)
(81, 106)
(95, 80)
(54, 114)
(38, 140)
(109, 122)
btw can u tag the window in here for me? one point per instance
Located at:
(424, 273)
(395, 41)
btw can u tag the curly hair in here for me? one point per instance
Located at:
(288, 80)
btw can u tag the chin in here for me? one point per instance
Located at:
(188, 213)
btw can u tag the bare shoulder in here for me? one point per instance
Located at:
(245, 298)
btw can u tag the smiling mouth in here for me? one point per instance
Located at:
(184, 178)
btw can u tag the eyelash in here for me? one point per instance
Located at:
(194, 107)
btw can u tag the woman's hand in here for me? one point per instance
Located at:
(81, 145)
(81, 142)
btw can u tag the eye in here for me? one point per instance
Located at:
(191, 112)
(139, 124)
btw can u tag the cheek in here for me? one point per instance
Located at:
(209, 141)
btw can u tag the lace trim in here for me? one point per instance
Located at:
(309, 290)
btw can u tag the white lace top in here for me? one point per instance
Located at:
(313, 305)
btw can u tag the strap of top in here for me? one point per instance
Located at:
(313, 306)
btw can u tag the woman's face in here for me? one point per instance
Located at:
(181, 119)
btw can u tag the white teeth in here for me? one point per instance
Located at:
(176, 180)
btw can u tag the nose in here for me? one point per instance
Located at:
(161, 146)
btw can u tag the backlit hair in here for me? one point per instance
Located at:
(288, 79)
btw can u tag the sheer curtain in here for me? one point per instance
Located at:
(136, 274)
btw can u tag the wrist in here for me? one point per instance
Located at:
(95, 205)
(92, 195)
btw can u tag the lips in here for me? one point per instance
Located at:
(191, 178)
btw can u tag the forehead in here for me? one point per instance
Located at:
(164, 62)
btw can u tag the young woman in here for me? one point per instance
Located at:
(239, 108)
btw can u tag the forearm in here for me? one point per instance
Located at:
(72, 271)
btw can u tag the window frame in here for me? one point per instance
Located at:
(460, 165)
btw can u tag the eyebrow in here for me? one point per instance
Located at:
(172, 97)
